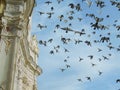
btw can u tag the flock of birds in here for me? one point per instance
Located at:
(96, 24)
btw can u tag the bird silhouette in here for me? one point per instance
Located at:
(65, 60)
(50, 40)
(48, 2)
(105, 58)
(71, 5)
(80, 80)
(90, 56)
(88, 78)
(61, 17)
(100, 3)
(78, 7)
(66, 50)
(118, 81)
(59, 1)
(93, 64)
(52, 8)
(41, 12)
(80, 59)
(99, 50)
(88, 43)
(100, 73)
(50, 14)
(68, 66)
(51, 52)
(62, 69)
(41, 26)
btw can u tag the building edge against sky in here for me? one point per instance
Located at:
(18, 50)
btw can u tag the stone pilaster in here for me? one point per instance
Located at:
(18, 52)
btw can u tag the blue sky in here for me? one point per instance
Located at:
(52, 78)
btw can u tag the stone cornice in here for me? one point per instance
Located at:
(28, 58)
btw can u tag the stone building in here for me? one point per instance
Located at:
(18, 50)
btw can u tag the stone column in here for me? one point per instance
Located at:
(9, 43)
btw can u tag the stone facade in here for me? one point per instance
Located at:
(18, 50)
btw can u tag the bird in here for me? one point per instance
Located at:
(93, 64)
(65, 60)
(118, 81)
(61, 17)
(100, 3)
(99, 50)
(59, 1)
(52, 8)
(99, 59)
(41, 42)
(107, 16)
(57, 26)
(88, 43)
(118, 49)
(99, 72)
(71, 5)
(41, 26)
(67, 29)
(105, 58)
(50, 14)
(41, 12)
(78, 7)
(48, 2)
(66, 50)
(80, 19)
(62, 69)
(88, 78)
(80, 80)
(70, 17)
(68, 66)
(90, 56)
(77, 41)
(110, 47)
(51, 52)
(80, 59)
(80, 33)
(50, 40)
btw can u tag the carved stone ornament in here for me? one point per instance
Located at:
(34, 45)
(7, 42)
(3, 86)
(34, 87)
(12, 8)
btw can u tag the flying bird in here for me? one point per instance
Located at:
(80, 80)
(41, 26)
(90, 56)
(80, 59)
(88, 78)
(48, 2)
(68, 66)
(71, 5)
(41, 12)
(62, 69)
(99, 72)
(118, 81)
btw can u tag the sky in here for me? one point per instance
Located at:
(52, 77)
